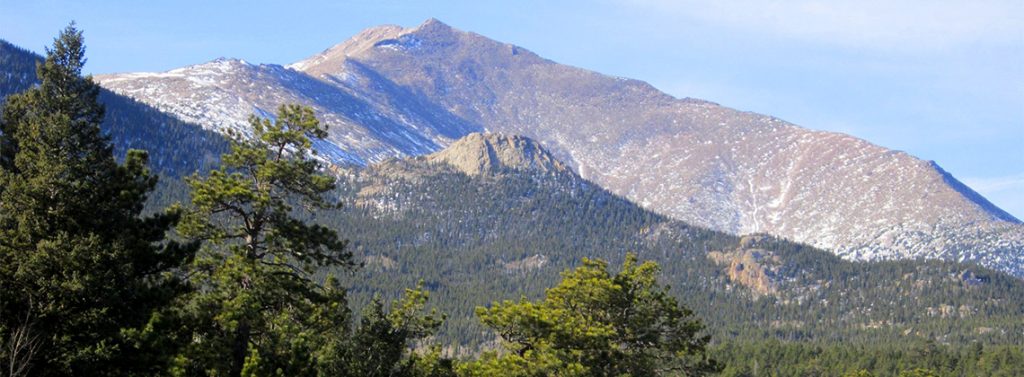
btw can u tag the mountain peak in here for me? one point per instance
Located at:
(363, 42)
(433, 23)
(480, 153)
(395, 92)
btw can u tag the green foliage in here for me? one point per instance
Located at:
(597, 324)
(919, 372)
(259, 310)
(246, 204)
(859, 373)
(380, 345)
(771, 357)
(84, 280)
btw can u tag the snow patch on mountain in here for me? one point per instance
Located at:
(393, 92)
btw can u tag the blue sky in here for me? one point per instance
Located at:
(943, 80)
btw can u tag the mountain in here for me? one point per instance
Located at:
(496, 216)
(129, 123)
(365, 125)
(394, 92)
(17, 69)
(474, 236)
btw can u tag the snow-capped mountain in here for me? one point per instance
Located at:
(368, 120)
(392, 91)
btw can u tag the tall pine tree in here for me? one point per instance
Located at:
(259, 308)
(83, 277)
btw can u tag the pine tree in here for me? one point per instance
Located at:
(260, 307)
(380, 345)
(82, 275)
(597, 324)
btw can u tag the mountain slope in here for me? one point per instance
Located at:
(420, 88)
(129, 123)
(17, 69)
(366, 125)
(482, 235)
(473, 237)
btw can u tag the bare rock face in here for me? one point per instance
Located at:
(745, 268)
(754, 268)
(479, 153)
(393, 92)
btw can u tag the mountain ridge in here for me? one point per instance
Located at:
(974, 196)
(421, 88)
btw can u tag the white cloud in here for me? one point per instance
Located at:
(872, 24)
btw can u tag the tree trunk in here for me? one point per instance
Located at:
(240, 350)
